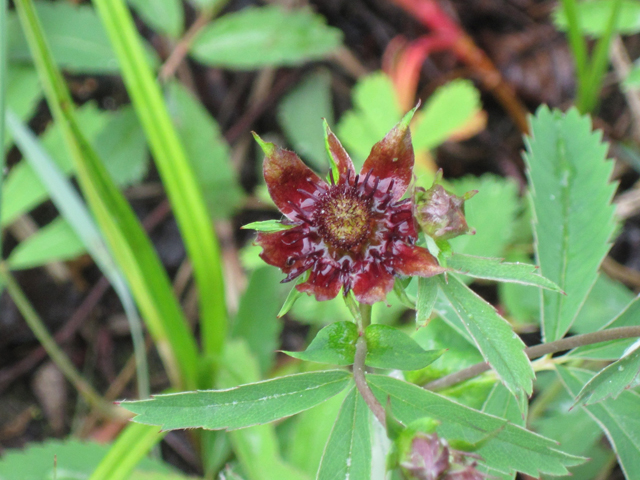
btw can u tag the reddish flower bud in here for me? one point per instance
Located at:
(440, 213)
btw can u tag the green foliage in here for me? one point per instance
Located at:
(240, 407)
(348, 451)
(448, 109)
(164, 16)
(513, 448)
(633, 78)
(334, 344)
(495, 269)
(425, 300)
(500, 347)
(574, 220)
(593, 17)
(299, 115)
(75, 459)
(206, 150)
(612, 380)
(618, 419)
(76, 37)
(388, 347)
(265, 36)
(266, 226)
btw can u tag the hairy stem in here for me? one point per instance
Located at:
(539, 351)
(361, 382)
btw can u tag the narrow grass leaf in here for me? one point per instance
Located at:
(130, 449)
(265, 36)
(348, 450)
(612, 380)
(84, 231)
(447, 110)
(573, 216)
(618, 419)
(512, 449)
(22, 92)
(493, 335)
(334, 344)
(388, 347)
(177, 173)
(496, 269)
(300, 115)
(130, 245)
(594, 16)
(426, 300)
(243, 406)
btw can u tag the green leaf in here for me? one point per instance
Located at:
(612, 380)
(426, 300)
(178, 174)
(164, 16)
(492, 212)
(267, 226)
(495, 269)
(300, 114)
(633, 78)
(376, 111)
(23, 92)
(310, 434)
(388, 347)
(618, 419)
(614, 349)
(573, 215)
(605, 301)
(76, 37)
(448, 109)
(256, 321)
(334, 344)
(265, 36)
(115, 135)
(594, 15)
(243, 406)
(256, 448)
(348, 451)
(499, 345)
(512, 449)
(130, 245)
(55, 242)
(207, 151)
(75, 459)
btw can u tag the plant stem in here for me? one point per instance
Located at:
(55, 352)
(536, 351)
(362, 385)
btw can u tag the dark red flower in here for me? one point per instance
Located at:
(354, 233)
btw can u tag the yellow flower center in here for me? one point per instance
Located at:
(342, 217)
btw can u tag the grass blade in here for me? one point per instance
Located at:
(176, 171)
(73, 209)
(130, 245)
(3, 86)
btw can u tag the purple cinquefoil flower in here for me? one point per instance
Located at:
(354, 232)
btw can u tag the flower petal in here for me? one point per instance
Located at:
(290, 250)
(324, 282)
(372, 284)
(415, 261)
(391, 160)
(339, 155)
(286, 176)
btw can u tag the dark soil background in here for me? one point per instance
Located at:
(75, 301)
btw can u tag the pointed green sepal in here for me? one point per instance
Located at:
(267, 147)
(267, 226)
(332, 161)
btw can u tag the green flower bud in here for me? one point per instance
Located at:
(440, 213)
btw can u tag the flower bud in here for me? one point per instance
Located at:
(440, 213)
